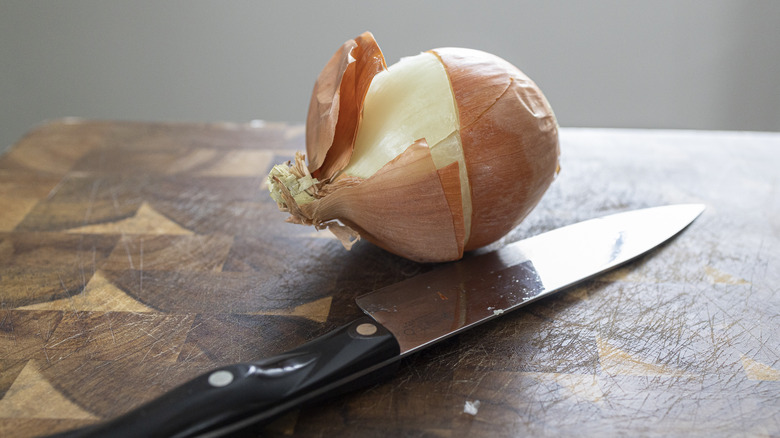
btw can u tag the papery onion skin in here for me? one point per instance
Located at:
(421, 227)
(335, 109)
(509, 137)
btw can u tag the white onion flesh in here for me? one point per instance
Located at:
(412, 99)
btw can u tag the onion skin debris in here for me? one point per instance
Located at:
(425, 170)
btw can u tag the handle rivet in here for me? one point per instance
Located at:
(220, 378)
(366, 329)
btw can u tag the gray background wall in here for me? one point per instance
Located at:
(650, 64)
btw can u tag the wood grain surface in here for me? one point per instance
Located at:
(134, 256)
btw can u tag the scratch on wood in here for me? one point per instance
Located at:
(141, 266)
(65, 340)
(91, 201)
(127, 249)
(111, 328)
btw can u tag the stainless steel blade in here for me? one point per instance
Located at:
(432, 306)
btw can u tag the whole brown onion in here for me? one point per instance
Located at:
(441, 153)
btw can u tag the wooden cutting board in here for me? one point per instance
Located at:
(134, 256)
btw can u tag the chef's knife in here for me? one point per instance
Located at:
(400, 319)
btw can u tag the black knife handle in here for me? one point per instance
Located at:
(235, 396)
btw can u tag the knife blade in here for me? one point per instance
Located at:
(399, 320)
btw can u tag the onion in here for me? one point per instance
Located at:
(441, 153)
